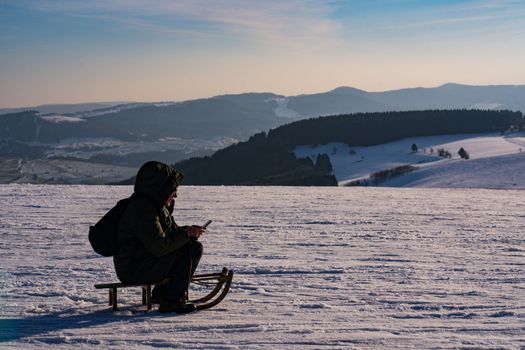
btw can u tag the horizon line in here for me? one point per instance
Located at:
(117, 102)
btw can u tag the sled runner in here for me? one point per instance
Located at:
(220, 282)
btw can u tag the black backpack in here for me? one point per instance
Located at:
(103, 235)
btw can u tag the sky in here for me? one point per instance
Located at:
(73, 51)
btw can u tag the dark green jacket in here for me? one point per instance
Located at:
(148, 237)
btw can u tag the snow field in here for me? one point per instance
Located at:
(352, 163)
(333, 268)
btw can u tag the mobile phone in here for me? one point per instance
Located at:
(206, 224)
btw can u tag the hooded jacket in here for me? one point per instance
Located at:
(148, 237)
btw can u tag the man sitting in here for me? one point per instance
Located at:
(152, 248)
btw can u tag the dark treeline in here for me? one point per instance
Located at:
(269, 159)
(257, 161)
(366, 129)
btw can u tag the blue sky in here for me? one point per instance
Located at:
(67, 51)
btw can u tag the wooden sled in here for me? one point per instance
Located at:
(220, 282)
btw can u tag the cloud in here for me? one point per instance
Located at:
(494, 4)
(449, 20)
(290, 22)
(480, 16)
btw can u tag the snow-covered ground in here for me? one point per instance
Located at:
(319, 268)
(59, 118)
(498, 172)
(282, 109)
(494, 160)
(68, 161)
(85, 148)
(71, 171)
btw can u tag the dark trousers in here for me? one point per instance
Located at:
(180, 274)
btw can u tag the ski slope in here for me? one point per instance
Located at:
(496, 161)
(315, 268)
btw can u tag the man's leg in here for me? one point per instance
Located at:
(184, 267)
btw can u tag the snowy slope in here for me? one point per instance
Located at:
(354, 163)
(505, 171)
(315, 268)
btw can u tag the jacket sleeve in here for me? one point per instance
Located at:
(150, 233)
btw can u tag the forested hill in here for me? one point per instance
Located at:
(366, 129)
(269, 159)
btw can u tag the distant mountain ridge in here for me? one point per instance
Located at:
(242, 115)
(64, 107)
(343, 99)
(131, 133)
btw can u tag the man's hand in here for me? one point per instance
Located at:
(170, 206)
(195, 231)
